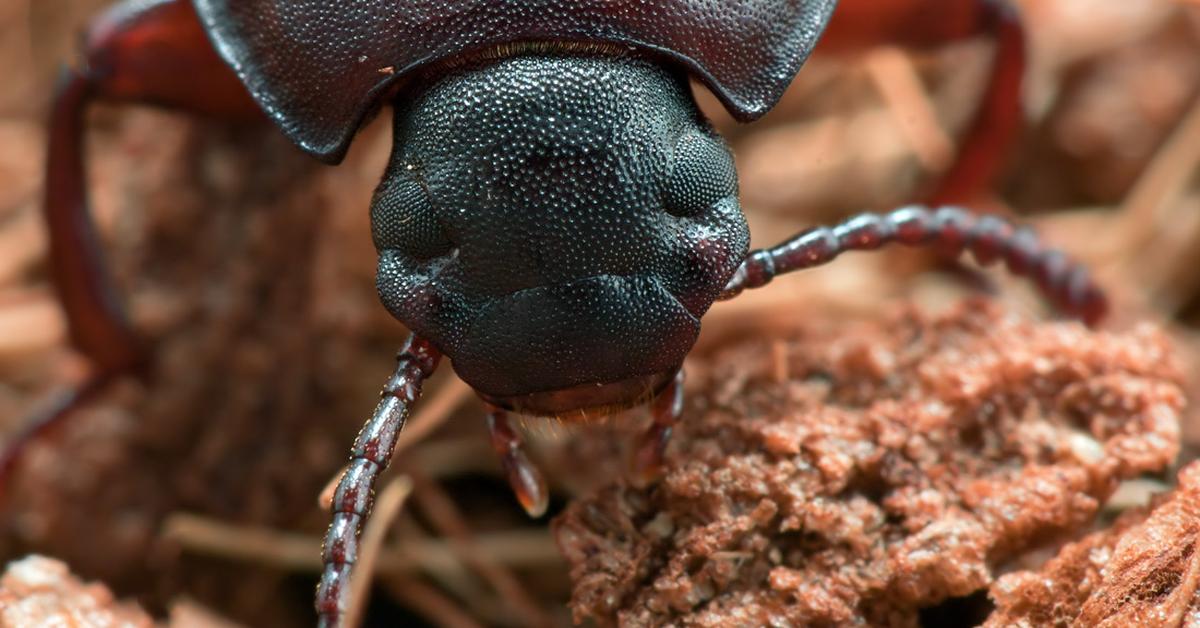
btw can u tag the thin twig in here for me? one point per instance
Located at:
(23, 240)
(457, 580)
(1161, 183)
(454, 457)
(31, 324)
(779, 361)
(433, 413)
(430, 603)
(187, 612)
(302, 553)
(445, 517)
(893, 73)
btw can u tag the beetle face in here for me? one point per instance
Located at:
(557, 226)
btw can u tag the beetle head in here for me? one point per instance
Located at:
(557, 225)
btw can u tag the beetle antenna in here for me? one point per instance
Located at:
(372, 452)
(989, 238)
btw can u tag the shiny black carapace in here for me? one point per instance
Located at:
(557, 215)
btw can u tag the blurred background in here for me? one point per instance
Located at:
(249, 268)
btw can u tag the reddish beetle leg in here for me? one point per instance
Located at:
(136, 52)
(652, 446)
(524, 477)
(153, 52)
(923, 24)
(146, 52)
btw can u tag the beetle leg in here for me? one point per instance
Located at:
(666, 410)
(96, 320)
(953, 229)
(526, 480)
(859, 24)
(997, 123)
(154, 52)
(370, 456)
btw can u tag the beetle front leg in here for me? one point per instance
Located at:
(524, 477)
(370, 456)
(951, 229)
(96, 319)
(153, 52)
(652, 446)
(859, 24)
(146, 52)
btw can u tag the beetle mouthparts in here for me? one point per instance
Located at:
(586, 401)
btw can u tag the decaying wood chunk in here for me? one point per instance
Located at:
(899, 463)
(1143, 571)
(38, 591)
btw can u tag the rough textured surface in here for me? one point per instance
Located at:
(1143, 571)
(873, 470)
(526, 228)
(316, 67)
(37, 591)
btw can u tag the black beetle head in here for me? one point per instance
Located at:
(557, 225)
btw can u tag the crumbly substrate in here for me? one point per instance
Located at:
(858, 473)
(38, 591)
(1143, 571)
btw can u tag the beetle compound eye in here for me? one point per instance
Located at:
(403, 218)
(701, 173)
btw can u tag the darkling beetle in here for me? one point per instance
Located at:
(556, 216)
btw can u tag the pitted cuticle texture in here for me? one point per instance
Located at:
(317, 67)
(529, 221)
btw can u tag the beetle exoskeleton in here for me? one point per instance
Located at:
(317, 68)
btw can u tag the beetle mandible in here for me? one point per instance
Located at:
(557, 215)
